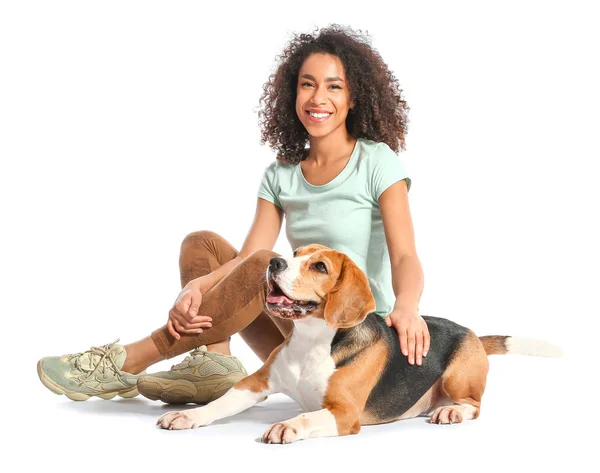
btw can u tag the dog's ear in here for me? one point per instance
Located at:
(351, 299)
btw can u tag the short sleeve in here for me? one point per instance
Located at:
(387, 169)
(269, 189)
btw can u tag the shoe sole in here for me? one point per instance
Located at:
(181, 391)
(76, 396)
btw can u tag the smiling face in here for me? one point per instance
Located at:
(323, 95)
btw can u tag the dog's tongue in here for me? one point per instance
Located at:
(273, 299)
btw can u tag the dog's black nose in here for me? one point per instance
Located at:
(277, 264)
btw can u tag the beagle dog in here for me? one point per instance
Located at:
(343, 364)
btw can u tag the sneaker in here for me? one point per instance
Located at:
(96, 372)
(200, 378)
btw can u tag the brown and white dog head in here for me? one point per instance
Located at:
(319, 282)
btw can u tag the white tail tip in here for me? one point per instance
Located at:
(528, 346)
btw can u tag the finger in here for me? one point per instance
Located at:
(404, 342)
(388, 321)
(192, 327)
(184, 306)
(411, 348)
(201, 318)
(193, 331)
(176, 316)
(178, 326)
(195, 304)
(189, 325)
(419, 348)
(172, 330)
(426, 342)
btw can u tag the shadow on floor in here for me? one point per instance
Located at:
(269, 411)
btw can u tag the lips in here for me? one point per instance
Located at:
(318, 119)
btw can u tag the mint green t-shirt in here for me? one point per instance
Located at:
(344, 213)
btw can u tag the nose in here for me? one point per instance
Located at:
(319, 97)
(277, 264)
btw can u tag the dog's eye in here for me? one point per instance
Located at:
(320, 266)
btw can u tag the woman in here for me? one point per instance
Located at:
(346, 190)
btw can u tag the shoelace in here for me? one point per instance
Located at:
(106, 360)
(190, 357)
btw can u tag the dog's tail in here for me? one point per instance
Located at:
(503, 345)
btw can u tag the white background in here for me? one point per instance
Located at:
(126, 125)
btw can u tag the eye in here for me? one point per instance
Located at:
(306, 83)
(319, 266)
(336, 87)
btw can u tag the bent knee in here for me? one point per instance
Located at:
(263, 254)
(258, 261)
(199, 237)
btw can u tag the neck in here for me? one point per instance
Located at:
(327, 149)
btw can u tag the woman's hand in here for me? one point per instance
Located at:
(413, 332)
(183, 316)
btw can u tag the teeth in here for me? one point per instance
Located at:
(319, 115)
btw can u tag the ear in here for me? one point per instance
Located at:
(351, 299)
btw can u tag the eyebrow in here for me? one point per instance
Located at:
(328, 79)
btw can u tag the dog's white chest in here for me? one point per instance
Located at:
(303, 367)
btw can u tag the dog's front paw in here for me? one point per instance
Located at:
(282, 432)
(179, 420)
(447, 415)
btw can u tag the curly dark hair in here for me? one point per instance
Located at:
(379, 112)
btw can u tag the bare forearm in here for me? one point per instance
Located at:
(407, 281)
